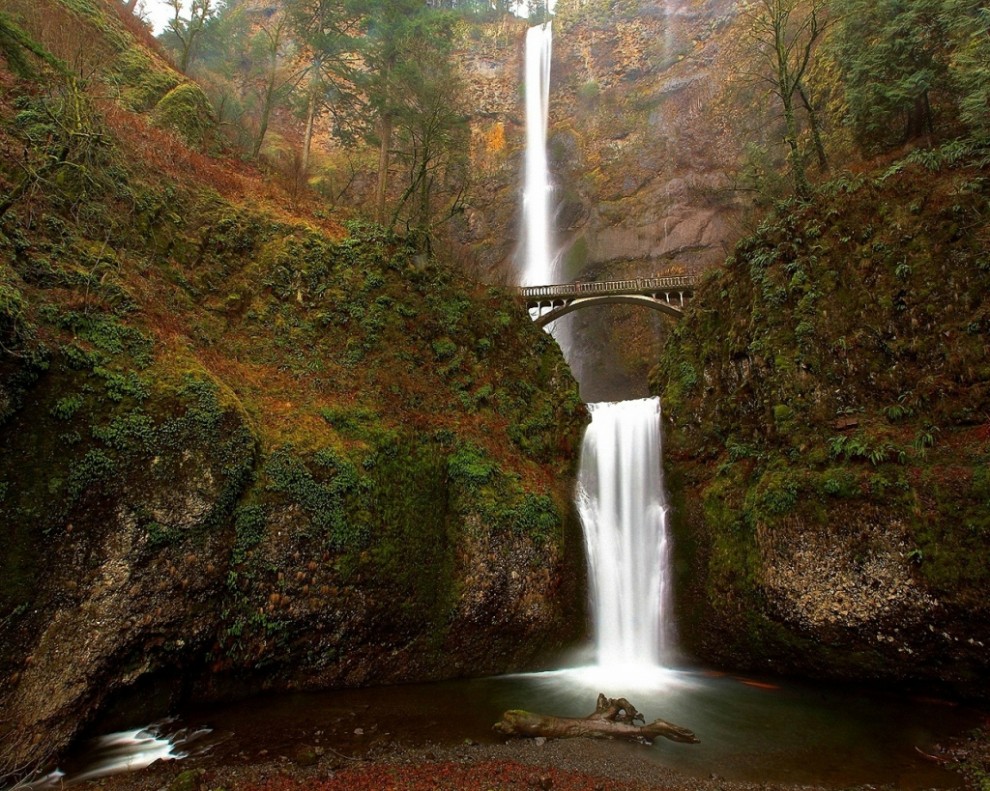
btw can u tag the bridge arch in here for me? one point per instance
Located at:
(561, 308)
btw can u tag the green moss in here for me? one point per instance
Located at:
(470, 467)
(775, 494)
(143, 85)
(187, 111)
(576, 258)
(782, 413)
(415, 538)
(339, 402)
(838, 482)
(829, 389)
(250, 523)
(329, 490)
(66, 407)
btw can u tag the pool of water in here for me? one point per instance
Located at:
(751, 729)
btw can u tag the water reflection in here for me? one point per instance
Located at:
(760, 730)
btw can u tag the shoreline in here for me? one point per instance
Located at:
(565, 765)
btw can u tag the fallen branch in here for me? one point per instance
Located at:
(612, 719)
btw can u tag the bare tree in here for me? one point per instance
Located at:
(277, 78)
(783, 34)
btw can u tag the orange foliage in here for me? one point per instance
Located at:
(495, 138)
(137, 28)
(165, 155)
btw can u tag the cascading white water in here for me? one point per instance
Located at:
(623, 509)
(620, 489)
(538, 264)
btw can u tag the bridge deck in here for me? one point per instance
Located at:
(645, 285)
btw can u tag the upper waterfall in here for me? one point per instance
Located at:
(537, 266)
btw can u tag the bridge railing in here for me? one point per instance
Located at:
(643, 284)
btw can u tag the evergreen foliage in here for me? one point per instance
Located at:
(864, 77)
(893, 59)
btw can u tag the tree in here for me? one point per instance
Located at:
(431, 131)
(783, 33)
(389, 40)
(184, 33)
(893, 58)
(272, 76)
(413, 94)
(539, 11)
(328, 30)
(968, 22)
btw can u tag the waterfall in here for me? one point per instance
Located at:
(623, 509)
(620, 488)
(538, 264)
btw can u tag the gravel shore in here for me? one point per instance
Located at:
(564, 765)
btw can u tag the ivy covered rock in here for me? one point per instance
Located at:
(253, 450)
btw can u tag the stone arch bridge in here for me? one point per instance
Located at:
(666, 294)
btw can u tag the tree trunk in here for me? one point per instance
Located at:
(816, 134)
(314, 85)
(381, 188)
(130, 5)
(308, 138)
(612, 719)
(266, 110)
(801, 186)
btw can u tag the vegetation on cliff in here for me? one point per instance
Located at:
(828, 392)
(828, 397)
(241, 443)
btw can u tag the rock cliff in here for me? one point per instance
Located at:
(246, 447)
(641, 155)
(828, 399)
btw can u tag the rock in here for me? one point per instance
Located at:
(190, 780)
(304, 755)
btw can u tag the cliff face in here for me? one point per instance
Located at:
(828, 399)
(246, 448)
(640, 155)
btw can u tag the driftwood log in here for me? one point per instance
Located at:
(612, 719)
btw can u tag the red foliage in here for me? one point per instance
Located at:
(447, 776)
(164, 155)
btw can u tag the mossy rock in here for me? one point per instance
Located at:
(144, 84)
(186, 110)
(190, 780)
(827, 383)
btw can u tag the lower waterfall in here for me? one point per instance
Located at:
(623, 509)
